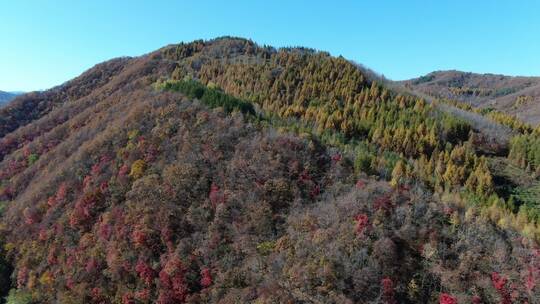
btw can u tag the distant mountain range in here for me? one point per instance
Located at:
(6, 97)
(519, 96)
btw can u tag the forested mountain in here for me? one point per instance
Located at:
(519, 96)
(226, 172)
(6, 97)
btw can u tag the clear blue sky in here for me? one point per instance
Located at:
(45, 43)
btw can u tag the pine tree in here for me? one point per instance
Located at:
(398, 173)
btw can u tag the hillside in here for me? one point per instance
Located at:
(225, 172)
(519, 96)
(6, 97)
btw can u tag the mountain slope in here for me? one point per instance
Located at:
(224, 172)
(519, 96)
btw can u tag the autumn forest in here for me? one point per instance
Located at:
(223, 171)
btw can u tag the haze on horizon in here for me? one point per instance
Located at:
(46, 44)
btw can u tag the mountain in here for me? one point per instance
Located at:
(222, 171)
(6, 97)
(519, 96)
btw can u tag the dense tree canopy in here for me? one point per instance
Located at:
(224, 172)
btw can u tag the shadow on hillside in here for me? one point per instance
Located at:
(504, 186)
(5, 278)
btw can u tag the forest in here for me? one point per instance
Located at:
(222, 171)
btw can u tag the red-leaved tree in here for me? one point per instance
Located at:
(388, 291)
(362, 223)
(499, 282)
(445, 298)
(206, 277)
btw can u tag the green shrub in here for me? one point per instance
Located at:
(455, 129)
(265, 248)
(32, 158)
(18, 297)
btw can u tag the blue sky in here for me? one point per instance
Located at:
(45, 43)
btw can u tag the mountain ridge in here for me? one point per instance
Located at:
(515, 95)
